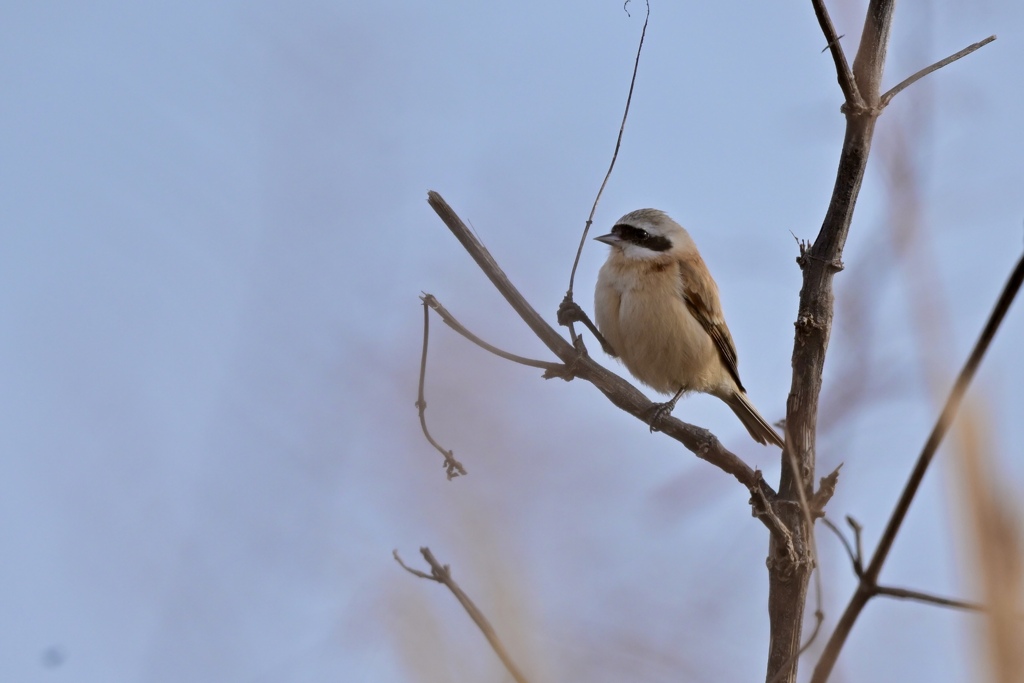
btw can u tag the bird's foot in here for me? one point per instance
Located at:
(658, 412)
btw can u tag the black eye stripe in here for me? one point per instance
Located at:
(641, 238)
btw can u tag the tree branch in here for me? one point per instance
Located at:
(906, 594)
(854, 555)
(869, 63)
(449, 320)
(443, 575)
(906, 83)
(865, 590)
(787, 582)
(845, 76)
(856, 560)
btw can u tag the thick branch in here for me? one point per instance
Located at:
(869, 63)
(787, 582)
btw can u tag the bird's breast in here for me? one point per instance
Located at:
(644, 317)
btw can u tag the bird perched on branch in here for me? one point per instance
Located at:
(657, 307)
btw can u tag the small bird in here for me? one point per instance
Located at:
(657, 307)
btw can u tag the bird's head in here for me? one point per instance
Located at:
(648, 234)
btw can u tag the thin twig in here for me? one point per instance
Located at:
(887, 97)
(892, 591)
(857, 536)
(615, 155)
(843, 73)
(865, 590)
(442, 574)
(906, 594)
(450, 321)
(855, 560)
(453, 467)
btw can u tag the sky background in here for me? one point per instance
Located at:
(213, 239)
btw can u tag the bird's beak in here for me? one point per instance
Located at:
(610, 239)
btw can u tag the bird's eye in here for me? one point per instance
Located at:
(631, 233)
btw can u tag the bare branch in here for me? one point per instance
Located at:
(868, 586)
(442, 574)
(450, 321)
(453, 467)
(906, 594)
(819, 618)
(787, 585)
(547, 334)
(949, 411)
(845, 76)
(857, 529)
(854, 556)
(887, 97)
(414, 572)
(891, 591)
(615, 155)
(869, 63)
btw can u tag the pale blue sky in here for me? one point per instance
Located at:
(214, 236)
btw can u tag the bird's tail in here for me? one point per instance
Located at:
(752, 420)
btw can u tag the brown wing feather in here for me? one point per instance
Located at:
(701, 297)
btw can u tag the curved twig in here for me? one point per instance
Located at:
(453, 467)
(854, 556)
(615, 156)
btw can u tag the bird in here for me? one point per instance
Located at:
(657, 307)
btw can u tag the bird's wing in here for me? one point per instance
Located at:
(701, 296)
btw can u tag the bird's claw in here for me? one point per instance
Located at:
(658, 412)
